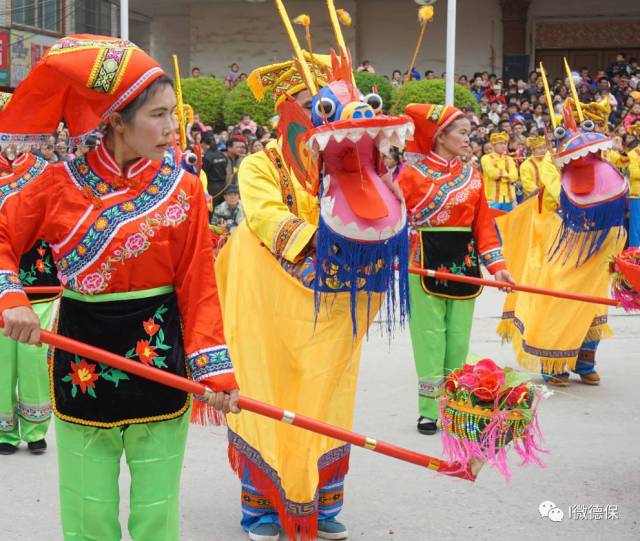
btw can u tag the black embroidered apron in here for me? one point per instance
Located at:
(144, 326)
(449, 249)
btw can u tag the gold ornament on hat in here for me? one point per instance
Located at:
(499, 137)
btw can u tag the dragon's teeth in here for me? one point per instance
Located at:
(339, 136)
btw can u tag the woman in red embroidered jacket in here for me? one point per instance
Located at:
(129, 236)
(452, 230)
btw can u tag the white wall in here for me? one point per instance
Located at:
(388, 32)
(252, 34)
(169, 34)
(384, 32)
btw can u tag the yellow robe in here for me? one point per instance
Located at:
(634, 172)
(500, 175)
(615, 158)
(547, 332)
(539, 172)
(282, 353)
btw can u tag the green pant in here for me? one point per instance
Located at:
(25, 402)
(440, 332)
(89, 467)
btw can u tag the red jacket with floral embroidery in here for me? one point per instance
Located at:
(36, 268)
(451, 194)
(111, 232)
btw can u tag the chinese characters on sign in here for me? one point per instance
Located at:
(26, 50)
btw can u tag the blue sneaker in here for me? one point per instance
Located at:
(332, 529)
(265, 532)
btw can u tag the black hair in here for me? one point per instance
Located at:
(129, 111)
(236, 139)
(208, 138)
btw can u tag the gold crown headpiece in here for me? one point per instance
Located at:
(499, 137)
(285, 77)
(536, 141)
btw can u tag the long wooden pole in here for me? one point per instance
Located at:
(255, 406)
(446, 276)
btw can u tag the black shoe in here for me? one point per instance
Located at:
(7, 449)
(427, 426)
(37, 447)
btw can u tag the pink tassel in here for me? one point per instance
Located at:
(487, 450)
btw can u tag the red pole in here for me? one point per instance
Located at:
(249, 404)
(43, 290)
(516, 287)
(440, 275)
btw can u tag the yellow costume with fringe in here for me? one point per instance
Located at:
(548, 332)
(311, 368)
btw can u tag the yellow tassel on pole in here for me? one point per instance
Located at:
(344, 17)
(425, 14)
(547, 92)
(305, 20)
(574, 92)
(180, 106)
(306, 72)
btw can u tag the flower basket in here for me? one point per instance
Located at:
(486, 409)
(625, 286)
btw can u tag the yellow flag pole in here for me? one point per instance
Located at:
(574, 92)
(304, 67)
(547, 92)
(425, 14)
(180, 107)
(337, 29)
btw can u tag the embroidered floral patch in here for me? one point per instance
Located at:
(7, 190)
(9, 282)
(210, 362)
(134, 245)
(146, 350)
(97, 238)
(42, 265)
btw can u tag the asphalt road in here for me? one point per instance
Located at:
(592, 434)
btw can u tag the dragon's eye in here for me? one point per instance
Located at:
(559, 132)
(588, 125)
(374, 101)
(326, 104)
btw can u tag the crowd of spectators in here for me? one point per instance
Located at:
(515, 106)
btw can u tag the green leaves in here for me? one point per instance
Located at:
(113, 375)
(513, 378)
(159, 362)
(433, 91)
(240, 101)
(206, 95)
(366, 81)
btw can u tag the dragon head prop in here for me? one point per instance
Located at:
(592, 200)
(336, 152)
